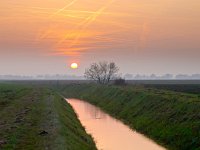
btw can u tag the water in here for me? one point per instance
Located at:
(109, 133)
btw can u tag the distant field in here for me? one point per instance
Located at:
(166, 82)
(187, 86)
(36, 118)
(134, 82)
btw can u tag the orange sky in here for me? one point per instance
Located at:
(141, 36)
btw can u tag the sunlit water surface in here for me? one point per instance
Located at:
(109, 133)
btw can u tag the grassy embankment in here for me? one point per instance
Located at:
(36, 118)
(170, 118)
(186, 88)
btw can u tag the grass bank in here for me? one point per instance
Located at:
(38, 118)
(170, 118)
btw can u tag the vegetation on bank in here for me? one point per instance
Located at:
(187, 88)
(170, 118)
(38, 118)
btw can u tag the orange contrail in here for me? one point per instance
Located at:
(76, 11)
(90, 20)
(98, 13)
(83, 25)
(87, 22)
(60, 10)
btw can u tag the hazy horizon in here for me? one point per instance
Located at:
(141, 36)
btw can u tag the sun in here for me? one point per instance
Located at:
(74, 65)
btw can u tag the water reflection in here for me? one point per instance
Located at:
(94, 112)
(109, 133)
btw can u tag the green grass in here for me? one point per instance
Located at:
(187, 88)
(172, 119)
(25, 111)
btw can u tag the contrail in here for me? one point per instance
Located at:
(98, 13)
(60, 10)
(87, 22)
(83, 25)
(75, 11)
(57, 12)
(91, 19)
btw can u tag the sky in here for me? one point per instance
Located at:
(140, 36)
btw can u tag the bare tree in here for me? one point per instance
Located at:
(102, 72)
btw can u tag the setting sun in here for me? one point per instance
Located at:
(74, 65)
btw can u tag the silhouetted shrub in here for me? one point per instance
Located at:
(120, 82)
